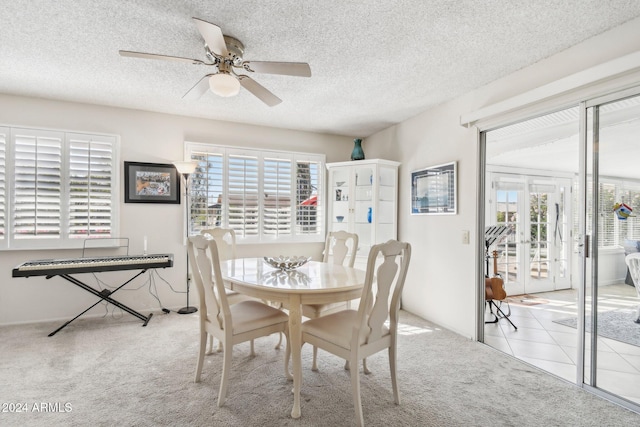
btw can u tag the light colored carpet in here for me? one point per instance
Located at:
(618, 325)
(115, 372)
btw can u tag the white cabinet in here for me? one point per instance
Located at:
(363, 199)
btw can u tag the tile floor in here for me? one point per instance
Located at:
(553, 347)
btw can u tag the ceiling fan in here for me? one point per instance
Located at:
(225, 53)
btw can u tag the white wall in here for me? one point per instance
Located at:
(145, 137)
(441, 282)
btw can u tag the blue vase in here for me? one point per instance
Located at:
(369, 215)
(357, 153)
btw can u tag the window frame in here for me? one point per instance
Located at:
(68, 138)
(191, 148)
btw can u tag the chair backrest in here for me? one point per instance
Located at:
(633, 262)
(376, 306)
(338, 245)
(214, 307)
(226, 240)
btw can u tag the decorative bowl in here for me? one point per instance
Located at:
(339, 218)
(286, 263)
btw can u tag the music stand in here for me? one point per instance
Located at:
(494, 234)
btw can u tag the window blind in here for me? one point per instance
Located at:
(4, 136)
(56, 188)
(243, 210)
(91, 165)
(37, 184)
(262, 194)
(277, 196)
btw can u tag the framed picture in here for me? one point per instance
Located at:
(433, 190)
(151, 183)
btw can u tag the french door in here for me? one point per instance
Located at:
(535, 257)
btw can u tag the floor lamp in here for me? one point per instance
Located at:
(185, 169)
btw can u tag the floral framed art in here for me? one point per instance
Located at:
(151, 183)
(433, 190)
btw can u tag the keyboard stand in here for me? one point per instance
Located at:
(104, 295)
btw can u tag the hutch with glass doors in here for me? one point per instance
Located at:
(363, 199)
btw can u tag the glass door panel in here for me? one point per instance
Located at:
(613, 364)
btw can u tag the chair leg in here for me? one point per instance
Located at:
(355, 390)
(278, 346)
(201, 350)
(394, 370)
(212, 342)
(364, 367)
(226, 369)
(314, 366)
(252, 353)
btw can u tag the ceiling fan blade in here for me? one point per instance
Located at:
(198, 89)
(162, 57)
(213, 37)
(300, 69)
(259, 91)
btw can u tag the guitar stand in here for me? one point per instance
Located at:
(104, 295)
(499, 314)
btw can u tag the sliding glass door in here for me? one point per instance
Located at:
(613, 225)
(567, 184)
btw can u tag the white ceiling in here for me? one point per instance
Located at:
(374, 63)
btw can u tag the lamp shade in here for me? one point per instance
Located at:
(186, 167)
(223, 84)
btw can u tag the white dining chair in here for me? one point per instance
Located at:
(231, 324)
(354, 335)
(226, 240)
(633, 262)
(340, 246)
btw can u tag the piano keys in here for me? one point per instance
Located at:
(55, 267)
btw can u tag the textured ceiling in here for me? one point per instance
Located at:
(373, 63)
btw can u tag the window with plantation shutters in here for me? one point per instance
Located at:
(242, 195)
(4, 137)
(262, 195)
(277, 200)
(91, 166)
(37, 185)
(56, 188)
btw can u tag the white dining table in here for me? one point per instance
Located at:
(312, 283)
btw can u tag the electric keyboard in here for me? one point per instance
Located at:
(56, 267)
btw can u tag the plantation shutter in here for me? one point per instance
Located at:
(37, 184)
(242, 207)
(4, 136)
(263, 195)
(207, 195)
(307, 177)
(276, 189)
(90, 181)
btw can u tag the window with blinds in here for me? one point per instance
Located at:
(612, 231)
(262, 195)
(62, 188)
(4, 137)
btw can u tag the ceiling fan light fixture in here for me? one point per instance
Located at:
(224, 84)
